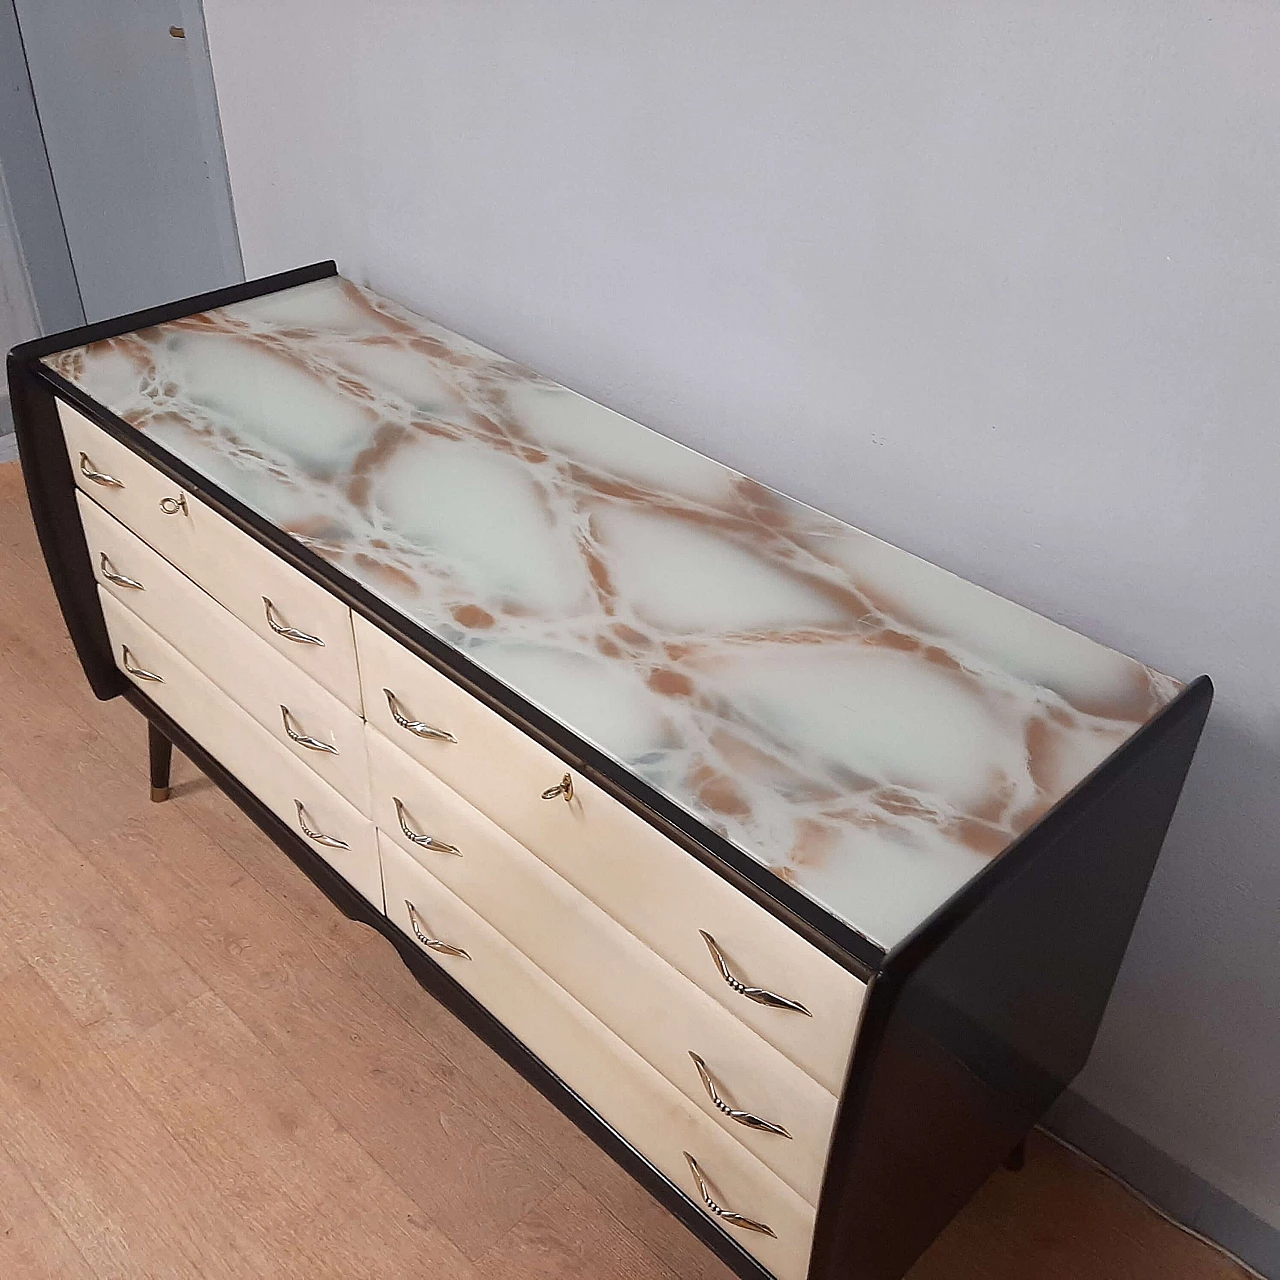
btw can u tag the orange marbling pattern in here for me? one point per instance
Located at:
(865, 724)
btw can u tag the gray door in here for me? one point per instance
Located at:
(130, 122)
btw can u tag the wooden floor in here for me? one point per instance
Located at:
(205, 1070)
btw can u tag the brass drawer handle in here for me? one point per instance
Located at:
(562, 788)
(109, 572)
(444, 948)
(414, 726)
(725, 1215)
(171, 506)
(289, 633)
(303, 739)
(758, 994)
(742, 1117)
(329, 842)
(427, 842)
(137, 671)
(90, 472)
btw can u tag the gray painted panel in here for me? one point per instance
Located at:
(131, 132)
(37, 223)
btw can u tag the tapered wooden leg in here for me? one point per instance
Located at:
(1017, 1158)
(160, 750)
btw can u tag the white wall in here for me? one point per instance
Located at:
(996, 281)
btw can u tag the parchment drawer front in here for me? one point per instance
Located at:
(138, 495)
(297, 617)
(697, 921)
(304, 718)
(633, 1098)
(782, 1114)
(294, 615)
(342, 835)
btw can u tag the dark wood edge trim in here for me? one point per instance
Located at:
(1044, 833)
(440, 984)
(38, 348)
(839, 941)
(51, 495)
(1043, 840)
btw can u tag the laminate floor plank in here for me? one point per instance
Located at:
(303, 1107)
(33, 1245)
(109, 968)
(123, 1191)
(277, 1155)
(570, 1236)
(77, 774)
(10, 960)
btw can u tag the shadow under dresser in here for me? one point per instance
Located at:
(796, 870)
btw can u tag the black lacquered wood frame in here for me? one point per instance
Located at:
(972, 1025)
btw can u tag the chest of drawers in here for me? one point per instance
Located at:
(796, 870)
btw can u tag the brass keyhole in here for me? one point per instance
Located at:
(563, 788)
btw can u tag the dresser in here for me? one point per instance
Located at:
(796, 870)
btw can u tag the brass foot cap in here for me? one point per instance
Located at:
(159, 794)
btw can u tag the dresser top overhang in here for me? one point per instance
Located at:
(871, 728)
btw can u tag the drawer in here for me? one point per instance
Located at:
(132, 490)
(658, 1012)
(663, 895)
(635, 1100)
(291, 613)
(343, 836)
(302, 717)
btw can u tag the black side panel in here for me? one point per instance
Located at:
(983, 1017)
(51, 492)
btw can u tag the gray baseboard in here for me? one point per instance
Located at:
(6, 418)
(1183, 1195)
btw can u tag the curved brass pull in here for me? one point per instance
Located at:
(562, 788)
(725, 1215)
(742, 1117)
(414, 726)
(171, 506)
(330, 842)
(109, 572)
(303, 739)
(444, 948)
(137, 671)
(427, 842)
(90, 472)
(758, 994)
(289, 633)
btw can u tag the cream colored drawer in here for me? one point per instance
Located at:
(642, 1106)
(304, 718)
(658, 1012)
(344, 837)
(302, 621)
(639, 877)
(138, 495)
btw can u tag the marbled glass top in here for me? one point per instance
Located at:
(868, 726)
